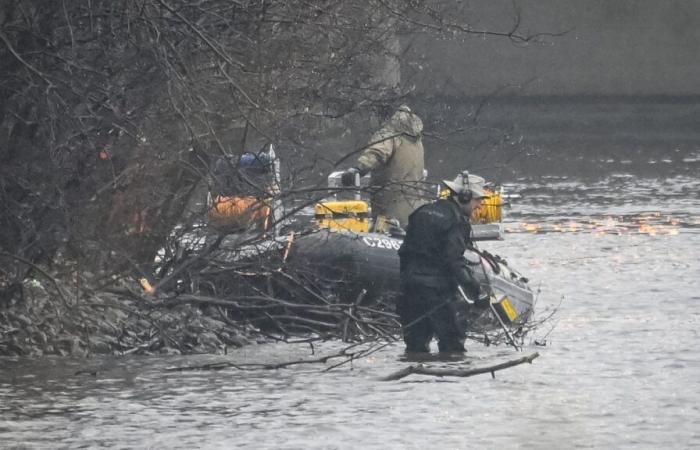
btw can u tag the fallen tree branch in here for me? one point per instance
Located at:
(345, 353)
(420, 369)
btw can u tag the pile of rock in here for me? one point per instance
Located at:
(41, 323)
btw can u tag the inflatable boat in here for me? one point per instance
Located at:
(352, 257)
(348, 263)
(349, 259)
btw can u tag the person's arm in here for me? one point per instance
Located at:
(457, 242)
(378, 153)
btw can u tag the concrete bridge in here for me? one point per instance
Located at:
(619, 79)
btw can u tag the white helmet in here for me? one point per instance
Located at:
(467, 183)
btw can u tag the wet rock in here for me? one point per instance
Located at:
(9, 331)
(44, 326)
(211, 311)
(20, 334)
(103, 345)
(23, 320)
(106, 327)
(70, 345)
(208, 339)
(38, 337)
(169, 351)
(212, 324)
(236, 340)
(114, 315)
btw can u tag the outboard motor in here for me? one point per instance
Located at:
(510, 294)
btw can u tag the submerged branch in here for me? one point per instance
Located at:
(423, 370)
(344, 353)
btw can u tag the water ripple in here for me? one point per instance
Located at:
(621, 368)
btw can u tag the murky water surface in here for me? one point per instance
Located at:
(620, 258)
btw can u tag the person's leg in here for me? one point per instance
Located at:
(448, 322)
(415, 324)
(417, 336)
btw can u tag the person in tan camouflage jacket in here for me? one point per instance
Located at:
(395, 159)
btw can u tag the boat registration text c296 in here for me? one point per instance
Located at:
(387, 243)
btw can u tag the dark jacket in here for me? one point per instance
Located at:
(432, 253)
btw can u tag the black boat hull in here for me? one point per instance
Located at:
(346, 263)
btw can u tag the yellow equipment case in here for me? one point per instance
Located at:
(490, 210)
(350, 215)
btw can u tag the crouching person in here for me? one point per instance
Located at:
(433, 267)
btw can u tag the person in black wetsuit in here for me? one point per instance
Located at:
(433, 267)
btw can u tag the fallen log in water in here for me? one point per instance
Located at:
(348, 354)
(420, 369)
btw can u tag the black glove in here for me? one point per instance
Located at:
(348, 177)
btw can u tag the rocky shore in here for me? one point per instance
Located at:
(111, 323)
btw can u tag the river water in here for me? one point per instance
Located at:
(617, 257)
